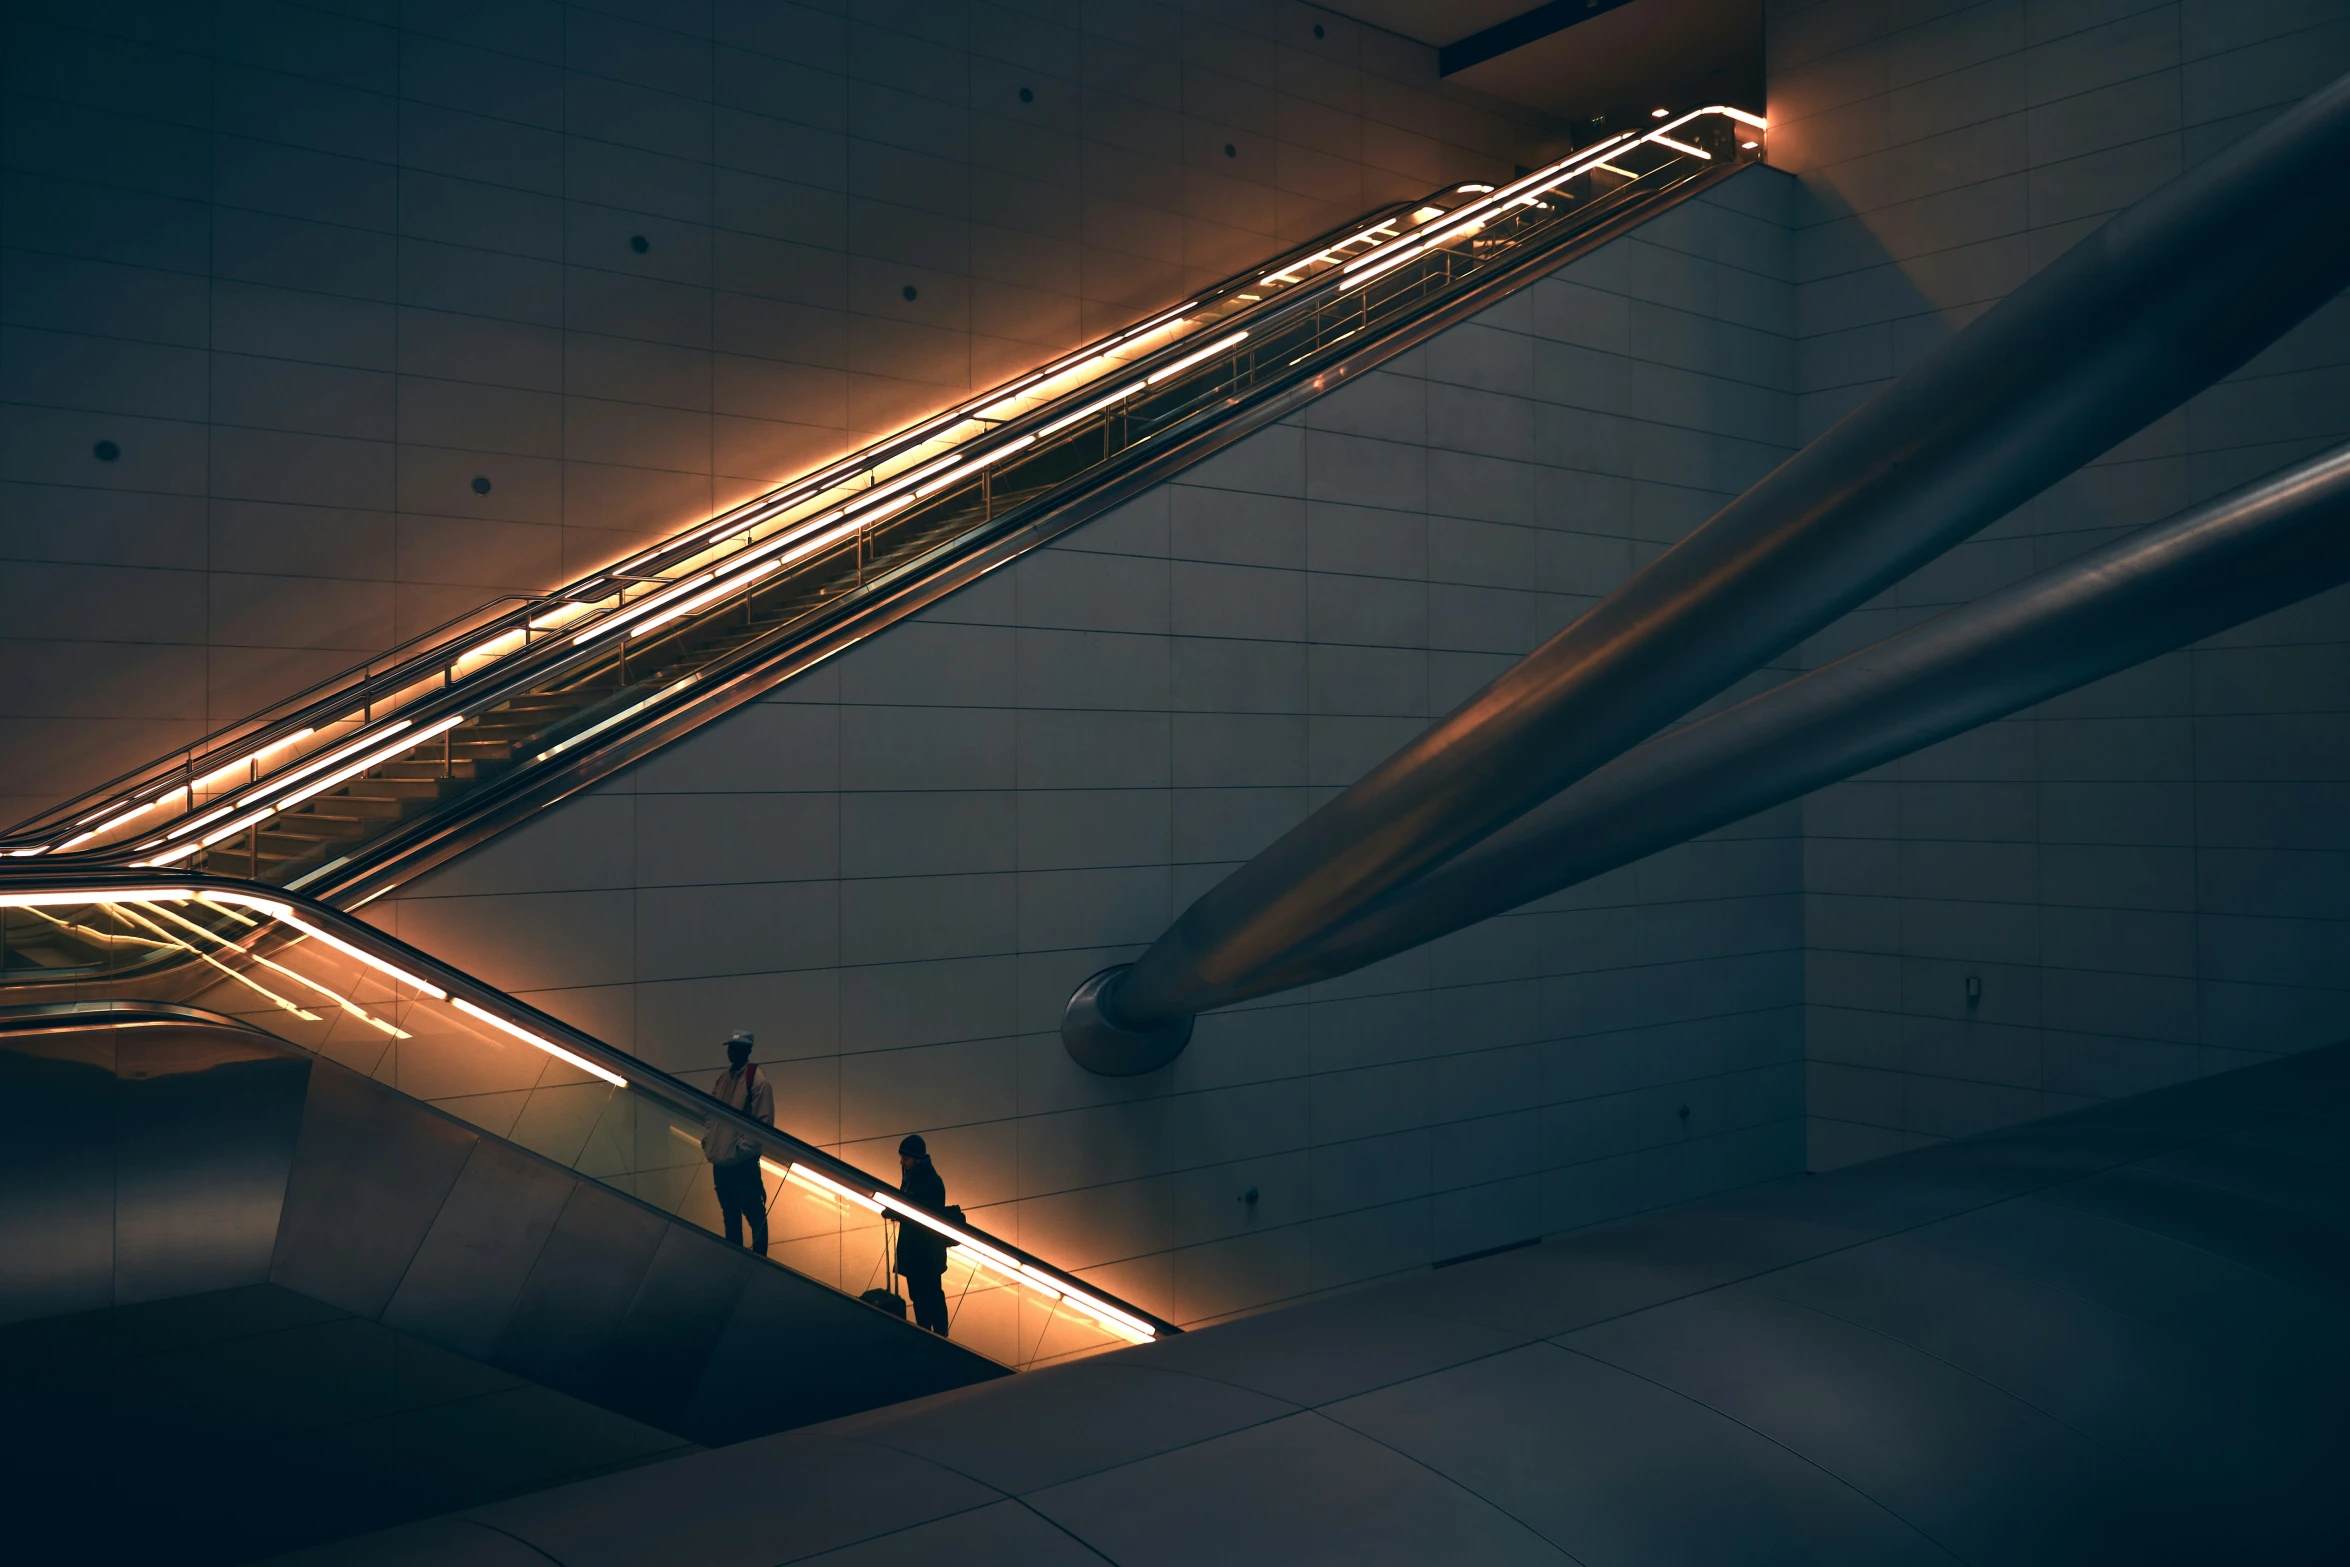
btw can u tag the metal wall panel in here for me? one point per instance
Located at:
(561, 1329)
(461, 1285)
(370, 1175)
(56, 1173)
(666, 1336)
(796, 1349)
(206, 1125)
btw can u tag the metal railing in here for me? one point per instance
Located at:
(316, 792)
(77, 946)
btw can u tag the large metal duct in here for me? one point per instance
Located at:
(2211, 567)
(2161, 301)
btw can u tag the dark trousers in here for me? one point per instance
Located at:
(742, 1195)
(926, 1293)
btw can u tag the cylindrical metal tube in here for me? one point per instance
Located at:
(2217, 565)
(2161, 301)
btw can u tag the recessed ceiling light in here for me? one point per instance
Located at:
(1658, 114)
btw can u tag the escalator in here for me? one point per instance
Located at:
(412, 1069)
(353, 787)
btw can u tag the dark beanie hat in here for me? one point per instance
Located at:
(914, 1148)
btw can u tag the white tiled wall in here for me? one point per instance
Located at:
(316, 267)
(896, 870)
(2148, 876)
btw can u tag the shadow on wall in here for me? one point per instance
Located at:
(2131, 885)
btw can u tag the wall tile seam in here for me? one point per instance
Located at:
(1547, 1032)
(2240, 377)
(1879, 43)
(1178, 206)
(2019, 60)
(402, 305)
(1709, 257)
(1671, 1140)
(2022, 171)
(394, 32)
(1471, 990)
(399, 302)
(393, 444)
(1749, 1072)
(2028, 169)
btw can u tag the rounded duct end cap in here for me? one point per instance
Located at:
(1109, 1049)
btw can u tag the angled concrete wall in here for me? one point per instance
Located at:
(896, 869)
(2146, 877)
(320, 271)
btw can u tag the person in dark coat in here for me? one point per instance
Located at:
(922, 1252)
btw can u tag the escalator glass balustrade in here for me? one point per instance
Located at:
(341, 789)
(331, 985)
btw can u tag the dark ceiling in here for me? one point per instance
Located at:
(1617, 58)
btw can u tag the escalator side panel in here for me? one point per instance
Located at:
(580, 1289)
(461, 1286)
(369, 1179)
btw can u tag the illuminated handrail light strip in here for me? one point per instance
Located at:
(371, 737)
(1188, 360)
(94, 896)
(251, 758)
(296, 975)
(1090, 409)
(626, 713)
(826, 1184)
(105, 938)
(716, 590)
(1027, 1273)
(1560, 171)
(186, 827)
(117, 907)
(644, 606)
(286, 916)
(529, 1038)
(985, 460)
(1663, 140)
(406, 742)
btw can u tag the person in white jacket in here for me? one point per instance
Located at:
(734, 1153)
